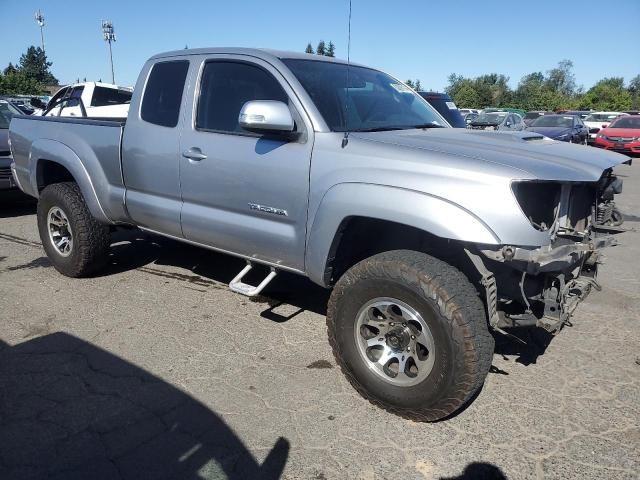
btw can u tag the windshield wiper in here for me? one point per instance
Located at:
(400, 127)
(378, 129)
(427, 125)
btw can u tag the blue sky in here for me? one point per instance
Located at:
(426, 40)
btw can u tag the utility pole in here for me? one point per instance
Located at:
(40, 22)
(109, 36)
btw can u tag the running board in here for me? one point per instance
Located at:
(238, 286)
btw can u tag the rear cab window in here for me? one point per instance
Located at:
(163, 93)
(103, 96)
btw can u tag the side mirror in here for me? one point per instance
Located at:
(266, 116)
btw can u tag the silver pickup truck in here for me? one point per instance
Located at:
(430, 237)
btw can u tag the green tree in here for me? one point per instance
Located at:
(16, 83)
(10, 69)
(607, 94)
(634, 91)
(331, 50)
(309, 49)
(34, 65)
(410, 84)
(561, 79)
(418, 86)
(322, 48)
(466, 96)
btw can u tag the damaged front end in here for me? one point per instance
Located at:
(542, 286)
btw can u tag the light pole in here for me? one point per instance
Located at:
(40, 22)
(109, 36)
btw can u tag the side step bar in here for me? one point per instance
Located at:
(238, 286)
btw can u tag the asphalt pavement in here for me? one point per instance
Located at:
(155, 369)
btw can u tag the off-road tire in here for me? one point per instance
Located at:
(90, 238)
(457, 321)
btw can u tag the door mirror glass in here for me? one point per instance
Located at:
(266, 116)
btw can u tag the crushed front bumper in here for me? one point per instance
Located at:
(547, 282)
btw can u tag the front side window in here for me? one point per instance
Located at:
(361, 99)
(224, 89)
(163, 93)
(103, 96)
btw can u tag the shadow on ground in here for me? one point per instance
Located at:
(135, 249)
(480, 471)
(14, 203)
(70, 410)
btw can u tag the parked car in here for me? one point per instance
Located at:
(565, 128)
(622, 135)
(581, 113)
(598, 120)
(466, 111)
(90, 99)
(504, 121)
(7, 111)
(519, 111)
(531, 116)
(429, 236)
(24, 108)
(445, 107)
(470, 117)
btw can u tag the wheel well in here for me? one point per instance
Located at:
(358, 238)
(50, 172)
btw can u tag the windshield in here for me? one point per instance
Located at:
(553, 121)
(496, 117)
(371, 101)
(626, 122)
(601, 117)
(6, 112)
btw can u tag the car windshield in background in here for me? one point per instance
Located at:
(625, 122)
(370, 101)
(599, 117)
(532, 115)
(6, 112)
(553, 121)
(495, 118)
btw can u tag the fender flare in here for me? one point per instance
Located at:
(57, 152)
(431, 214)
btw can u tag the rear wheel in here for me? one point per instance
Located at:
(409, 332)
(75, 242)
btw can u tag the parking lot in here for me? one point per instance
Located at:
(155, 369)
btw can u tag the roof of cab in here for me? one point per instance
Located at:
(263, 53)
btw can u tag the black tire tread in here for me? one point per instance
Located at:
(91, 238)
(457, 301)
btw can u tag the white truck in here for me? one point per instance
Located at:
(90, 99)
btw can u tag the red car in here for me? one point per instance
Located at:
(622, 135)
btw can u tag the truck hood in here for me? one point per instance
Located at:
(528, 155)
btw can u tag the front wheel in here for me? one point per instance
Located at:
(410, 333)
(75, 242)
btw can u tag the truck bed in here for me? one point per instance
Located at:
(88, 147)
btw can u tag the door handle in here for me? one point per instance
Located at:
(194, 153)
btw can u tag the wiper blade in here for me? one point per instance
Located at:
(427, 125)
(378, 129)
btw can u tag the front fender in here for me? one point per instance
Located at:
(51, 150)
(425, 212)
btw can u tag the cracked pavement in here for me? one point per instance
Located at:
(154, 369)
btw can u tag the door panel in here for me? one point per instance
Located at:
(249, 195)
(150, 156)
